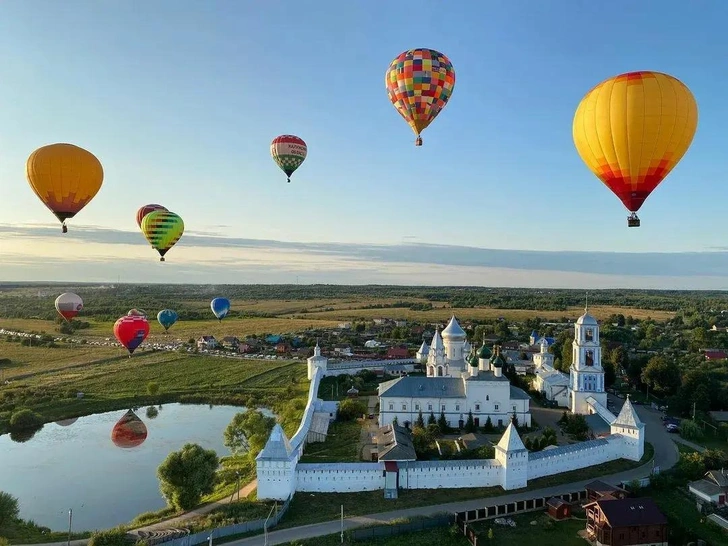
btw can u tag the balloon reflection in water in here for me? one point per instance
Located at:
(67, 422)
(129, 431)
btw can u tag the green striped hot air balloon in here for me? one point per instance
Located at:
(162, 228)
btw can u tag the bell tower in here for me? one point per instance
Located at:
(586, 376)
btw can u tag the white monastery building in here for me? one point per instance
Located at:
(583, 390)
(454, 386)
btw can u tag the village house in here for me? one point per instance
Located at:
(712, 488)
(625, 522)
(282, 348)
(397, 352)
(206, 343)
(230, 342)
(245, 348)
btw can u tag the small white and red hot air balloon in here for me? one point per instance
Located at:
(69, 305)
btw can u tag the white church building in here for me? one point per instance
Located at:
(582, 390)
(454, 386)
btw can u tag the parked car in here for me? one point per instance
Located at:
(672, 428)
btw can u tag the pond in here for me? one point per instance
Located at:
(74, 464)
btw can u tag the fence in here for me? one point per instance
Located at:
(238, 528)
(465, 529)
(400, 528)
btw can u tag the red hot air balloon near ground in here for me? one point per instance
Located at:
(146, 209)
(129, 431)
(131, 331)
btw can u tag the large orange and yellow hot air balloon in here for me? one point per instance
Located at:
(631, 130)
(419, 83)
(65, 177)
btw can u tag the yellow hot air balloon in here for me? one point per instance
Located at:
(631, 130)
(65, 177)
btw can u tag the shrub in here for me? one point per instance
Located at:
(111, 537)
(25, 419)
(152, 388)
(9, 509)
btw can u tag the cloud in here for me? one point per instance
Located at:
(38, 250)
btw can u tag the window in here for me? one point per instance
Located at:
(457, 407)
(496, 407)
(391, 406)
(429, 407)
(442, 407)
(417, 407)
(477, 407)
(590, 358)
(404, 407)
(589, 334)
(487, 397)
(514, 407)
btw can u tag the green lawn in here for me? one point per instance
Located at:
(341, 445)
(545, 532)
(443, 536)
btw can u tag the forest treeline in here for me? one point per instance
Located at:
(107, 302)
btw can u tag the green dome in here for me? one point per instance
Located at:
(473, 360)
(485, 353)
(497, 360)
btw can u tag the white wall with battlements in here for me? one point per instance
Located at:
(449, 474)
(339, 477)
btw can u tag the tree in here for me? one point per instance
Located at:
(395, 421)
(470, 423)
(488, 426)
(442, 423)
(609, 374)
(152, 388)
(248, 432)
(9, 509)
(25, 419)
(420, 422)
(662, 375)
(186, 475)
(514, 419)
(431, 419)
(351, 409)
(502, 330)
(109, 537)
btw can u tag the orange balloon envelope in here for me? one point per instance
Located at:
(631, 130)
(129, 431)
(65, 177)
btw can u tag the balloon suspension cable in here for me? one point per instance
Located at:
(64, 229)
(418, 141)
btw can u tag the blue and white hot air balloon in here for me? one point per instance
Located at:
(220, 307)
(167, 318)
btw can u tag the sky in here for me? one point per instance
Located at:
(180, 99)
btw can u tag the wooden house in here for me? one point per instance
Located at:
(558, 508)
(625, 522)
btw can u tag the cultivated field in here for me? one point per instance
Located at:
(470, 313)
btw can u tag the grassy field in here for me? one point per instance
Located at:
(182, 330)
(443, 536)
(681, 513)
(469, 313)
(546, 532)
(342, 444)
(33, 360)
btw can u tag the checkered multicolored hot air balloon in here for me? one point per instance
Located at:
(288, 151)
(162, 228)
(65, 177)
(631, 130)
(419, 83)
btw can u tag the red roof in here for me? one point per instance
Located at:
(716, 355)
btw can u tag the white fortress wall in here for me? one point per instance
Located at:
(339, 477)
(573, 456)
(449, 474)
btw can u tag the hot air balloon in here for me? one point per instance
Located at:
(65, 177)
(131, 331)
(631, 130)
(67, 422)
(146, 209)
(288, 151)
(167, 318)
(220, 307)
(419, 83)
(137, 313)
(68, 305)
(162, 228)
(129, 431)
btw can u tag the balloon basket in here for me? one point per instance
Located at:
(633, 221)
(418, 141)
(64, 229)
(161, 259)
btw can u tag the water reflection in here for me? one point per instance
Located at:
(129, 431)
(67, 422)
(22, 436)
(69, 466)
(152, 412)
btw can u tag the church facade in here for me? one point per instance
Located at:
(582, 390)
(457, 384)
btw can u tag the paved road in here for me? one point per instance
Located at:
(688, 443)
